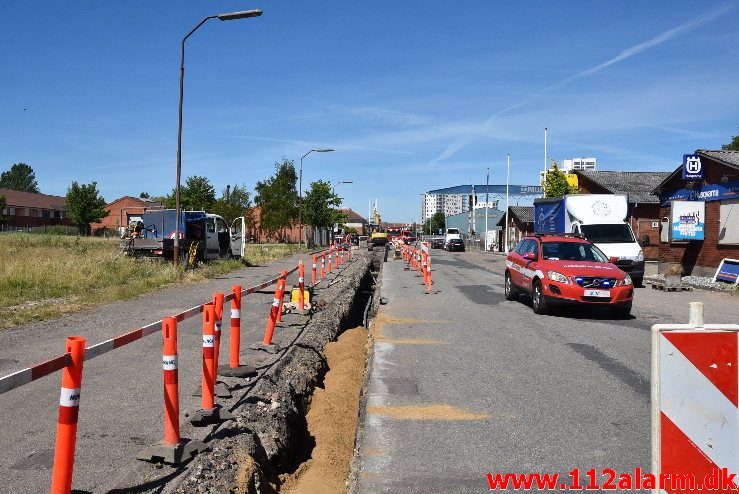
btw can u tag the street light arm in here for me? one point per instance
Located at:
(182, 64)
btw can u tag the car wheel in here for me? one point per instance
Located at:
(540, 305)
(620, 311)
(510, 290)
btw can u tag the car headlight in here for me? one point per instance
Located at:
(555, 276)
(640, 256)
(625, 282)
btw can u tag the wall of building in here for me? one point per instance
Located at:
(699, 257)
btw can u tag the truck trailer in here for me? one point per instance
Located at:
(203, 236)
(600, 218)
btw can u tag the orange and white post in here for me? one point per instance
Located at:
(272, 319)
(218, 299)
(301, 285)
(330, 252)
(323, 265)
(66, 426)
(313, 277)
(235, 343)
(171, 391)
(209, 369)
(429, 282)
(282, 295)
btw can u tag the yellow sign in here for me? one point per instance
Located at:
(572, 179)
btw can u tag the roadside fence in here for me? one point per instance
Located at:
(173, 449)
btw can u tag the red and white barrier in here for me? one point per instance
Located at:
(695, 414)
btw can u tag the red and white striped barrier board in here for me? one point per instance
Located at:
(695, 413)
(25, 376)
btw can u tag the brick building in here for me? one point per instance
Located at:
(644, 209)
(719, 190)
(123, 210)
(520, 223)
(27, 209)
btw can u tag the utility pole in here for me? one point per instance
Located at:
(487, 206)
(507, 207)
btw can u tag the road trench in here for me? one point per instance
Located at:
(295, 431)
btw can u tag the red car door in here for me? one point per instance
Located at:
(529, 257)
(517, 263)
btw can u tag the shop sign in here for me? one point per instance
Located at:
(710, 192)
(688, 220)
(728, 271)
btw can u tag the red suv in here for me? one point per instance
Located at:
(558, 270)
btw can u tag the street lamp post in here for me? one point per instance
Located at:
(178, 210)
(300, 188)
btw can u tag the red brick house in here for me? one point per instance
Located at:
(27, 209)
(122, 210)
(644, 207)
(719, 189)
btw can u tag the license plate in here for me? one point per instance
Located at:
(598, 293)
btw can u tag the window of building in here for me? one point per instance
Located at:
(46, 213)
(728, 230)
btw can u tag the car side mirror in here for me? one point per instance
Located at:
(613, 259)
(529, 256)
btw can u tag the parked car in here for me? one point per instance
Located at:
(566, 270)
(437, 243)
(455, 244)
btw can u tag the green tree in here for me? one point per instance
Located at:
(319, 205)
(555, 183)
(435, 223)
(3, 203)
(85, 206)
(277, 198)
(733, 145)
(197, 194)
(144, 195)
(20, 177)
(235, 203)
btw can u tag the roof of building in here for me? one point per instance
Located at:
(525, 214)
(517, 190)
(637, 185)
(15, 198)
(725, 157)
(136, 200)
(352, 216)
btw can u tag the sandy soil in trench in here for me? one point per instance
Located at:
(332, 419)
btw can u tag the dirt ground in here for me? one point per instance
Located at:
(332, 419)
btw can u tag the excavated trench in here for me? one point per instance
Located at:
(278, 441)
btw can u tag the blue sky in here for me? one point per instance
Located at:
(412, 95)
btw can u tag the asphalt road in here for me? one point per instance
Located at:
(121, 398)
(465, 383)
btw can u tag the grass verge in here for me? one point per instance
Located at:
(47, 276)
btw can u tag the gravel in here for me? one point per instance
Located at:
(703, 282)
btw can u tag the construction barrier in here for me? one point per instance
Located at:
(69, 408)
(313, 277)
(695, 390)
(323, 265)
(173, 449)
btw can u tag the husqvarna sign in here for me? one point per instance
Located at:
(692, 167)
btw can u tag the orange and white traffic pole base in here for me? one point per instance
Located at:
(174, 450)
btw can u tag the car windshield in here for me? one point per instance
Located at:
(571, 251)
(617, 233)
(452, 231)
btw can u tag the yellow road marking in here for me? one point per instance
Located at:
(427, 412)
(381, 319)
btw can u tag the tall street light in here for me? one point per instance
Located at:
(300, 188)
(178, 210)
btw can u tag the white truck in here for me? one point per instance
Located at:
(600, 218)
(203, 236)
(450, 234)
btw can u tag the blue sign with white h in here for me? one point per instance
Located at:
(692, 167)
